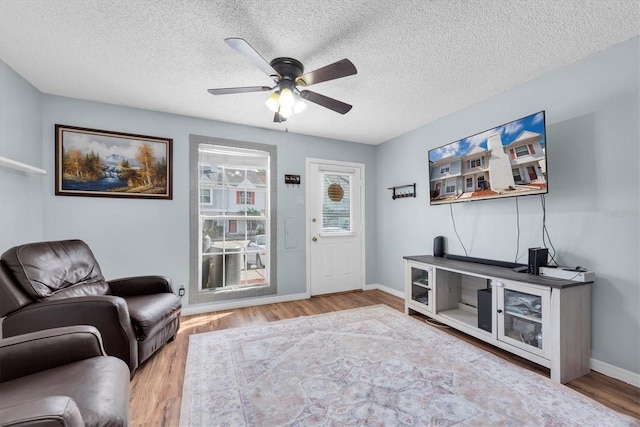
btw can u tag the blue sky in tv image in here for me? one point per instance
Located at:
(508, 133)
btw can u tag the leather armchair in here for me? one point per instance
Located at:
(53, 284)
(62, 377)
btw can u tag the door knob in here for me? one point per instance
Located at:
(314, 239)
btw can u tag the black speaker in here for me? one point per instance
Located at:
(537, 258)
(438, 246)
(484, 309)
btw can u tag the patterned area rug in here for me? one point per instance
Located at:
(370, 366)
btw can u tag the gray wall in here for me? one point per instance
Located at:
(131, 236)
(20, 140)
(592, 206)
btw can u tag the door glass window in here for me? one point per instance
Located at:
(469, 184)
(523, 317)
(336, 203)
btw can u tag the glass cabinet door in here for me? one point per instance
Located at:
(421, 285)
(523, 317)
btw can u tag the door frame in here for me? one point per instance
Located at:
(307, 215)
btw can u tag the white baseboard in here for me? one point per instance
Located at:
(615, 372)
(249, 302)
(596, 365)
(386, 289)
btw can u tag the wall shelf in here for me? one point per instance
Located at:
(21, 166)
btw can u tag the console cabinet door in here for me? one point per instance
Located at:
(420, 285)
(523, 315)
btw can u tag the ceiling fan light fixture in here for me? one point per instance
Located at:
(286, 112)
(287, 99)
(273, 103)
(288, 74)
(299, 106)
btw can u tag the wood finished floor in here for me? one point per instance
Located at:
(156, 389)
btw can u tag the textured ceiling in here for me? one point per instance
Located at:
(417, 60)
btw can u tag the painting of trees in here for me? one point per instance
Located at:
(79, 166)
(147, 162)
(104, 163)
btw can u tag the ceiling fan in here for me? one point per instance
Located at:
(288, 75)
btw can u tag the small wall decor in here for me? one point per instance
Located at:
(335, 192)
(91, 162)
(292, 179)
(402, 191)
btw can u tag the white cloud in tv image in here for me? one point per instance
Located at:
(508, 160)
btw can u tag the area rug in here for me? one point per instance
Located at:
(370, 366)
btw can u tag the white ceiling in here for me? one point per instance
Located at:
(417, 60)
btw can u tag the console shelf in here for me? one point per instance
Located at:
(542, 319)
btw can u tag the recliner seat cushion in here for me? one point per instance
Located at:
(56, 269)
(151, 313)
(99, 386)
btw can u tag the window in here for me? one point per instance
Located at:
(516, 174)
(469, 183)
(336, 202)
(444, 169)
(233, 221)
(246, 198)
(450, 186)
(482, 184)
(475, 163)
(521, 151)
(205, 196)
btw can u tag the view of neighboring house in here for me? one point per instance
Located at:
(489, 169)
(229, 199)
(231, 192)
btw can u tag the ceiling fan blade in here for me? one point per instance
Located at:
(277, 118)
(333, 71)
(325, 101)
(245, 48)
(230, 90)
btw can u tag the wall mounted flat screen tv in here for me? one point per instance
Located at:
(508, 160)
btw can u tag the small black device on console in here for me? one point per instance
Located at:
(537, 258)
(438, 246)
(484, 309)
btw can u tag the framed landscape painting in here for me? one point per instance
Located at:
(91, 162)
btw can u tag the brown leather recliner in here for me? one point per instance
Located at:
(62, 377)
(52, 284)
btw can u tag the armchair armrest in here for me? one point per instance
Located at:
(26, 354)
(51, 411)
(108, 313)
(140, 285)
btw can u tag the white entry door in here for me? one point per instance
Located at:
(335, 238)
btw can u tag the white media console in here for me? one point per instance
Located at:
(542, 319)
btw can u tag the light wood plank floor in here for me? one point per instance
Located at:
(156, 389)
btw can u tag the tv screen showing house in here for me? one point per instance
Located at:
(508, 160)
